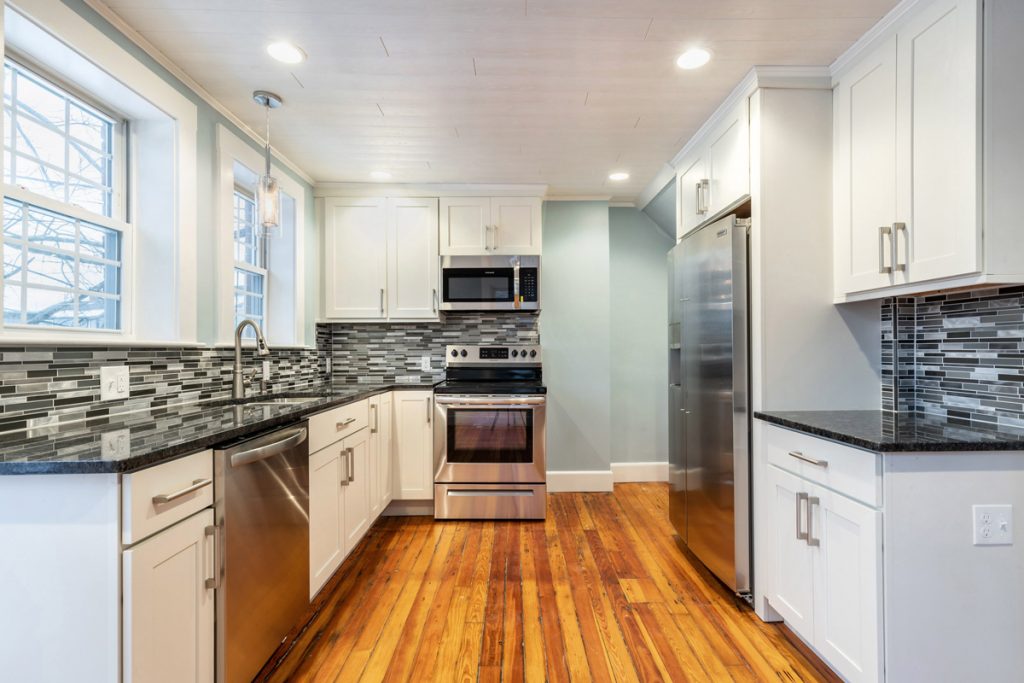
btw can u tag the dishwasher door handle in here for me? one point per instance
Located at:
(294, 438)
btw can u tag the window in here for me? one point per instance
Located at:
(250, 261)
(63, 237)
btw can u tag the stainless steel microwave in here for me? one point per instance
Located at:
(490, 283)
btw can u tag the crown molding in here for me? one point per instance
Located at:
(346, 189)
(579, 198)
(871, 38)
(163, 60)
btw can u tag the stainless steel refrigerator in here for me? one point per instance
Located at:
(709, 424)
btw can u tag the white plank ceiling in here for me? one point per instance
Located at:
(560, 92)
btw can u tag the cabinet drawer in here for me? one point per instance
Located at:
(334, 425)
(155, 498)
(849, 471)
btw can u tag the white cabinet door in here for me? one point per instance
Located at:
(847, 584)
(728, 158)
(693, 183)
(326, 515)
(791, 580)
(356, 497)
(412, 258)
(865, 173)
(168, 610)
(938, 133)
(516, 226)
(414, 464)
(385, 452)
(355, 257)
(465, 223)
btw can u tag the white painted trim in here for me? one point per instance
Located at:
(665, 176)
(590, 480)
(870, 39)
(131, 34)
(73, 30)
(623, 472)
(347, 189)
(580, 198)
(621, 205)
(231, 148)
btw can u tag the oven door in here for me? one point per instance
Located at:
(489, 439)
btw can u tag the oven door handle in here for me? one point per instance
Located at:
(489, 402)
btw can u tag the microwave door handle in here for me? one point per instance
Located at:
(515, 283)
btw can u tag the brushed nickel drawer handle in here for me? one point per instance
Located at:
(213, 582)
(165, 498)
(346, 423)
(800, 456)
(811, 502)
(800, 534)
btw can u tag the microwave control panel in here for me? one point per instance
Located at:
(528, 284)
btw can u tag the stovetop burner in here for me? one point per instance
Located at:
(490, 388)
(496, 370)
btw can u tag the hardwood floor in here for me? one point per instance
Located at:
(598, 592)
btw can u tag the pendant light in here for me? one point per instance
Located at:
(268, 194)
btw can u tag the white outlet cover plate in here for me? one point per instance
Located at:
(114, 382)
(116, 444)
(993, 524)
(425, 363)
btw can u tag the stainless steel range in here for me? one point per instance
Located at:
(489, 454)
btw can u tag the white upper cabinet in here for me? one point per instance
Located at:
(412, 259)
(716, 172)
(355, 257)
(480, 226)
(380, 258)
(907, 149)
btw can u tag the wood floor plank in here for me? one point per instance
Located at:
(598, 591)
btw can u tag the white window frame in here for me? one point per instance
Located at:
(101, 65)
(263, 271)
(231, 149)
(113, 222)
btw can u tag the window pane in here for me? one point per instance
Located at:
(12, 220)
(100, 242)
(12, 261)
(248, 282)
(48, 307)
(59, 146)
(47, 229)
(249, 247)
(99, 313)
(99, 277)
(54, 270)
(12, 304)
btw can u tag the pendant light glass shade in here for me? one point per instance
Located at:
(268, 194)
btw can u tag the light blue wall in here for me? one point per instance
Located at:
(639, 364)
(575, 335)
(206, 164)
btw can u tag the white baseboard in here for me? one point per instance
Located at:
(623, 472)
(590, 480)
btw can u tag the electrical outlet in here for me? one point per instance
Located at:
(116, 444)
(425, 363)
(114, 382)
(266, 369)
(993, 524)
(330, 365)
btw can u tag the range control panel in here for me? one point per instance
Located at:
(492, 355)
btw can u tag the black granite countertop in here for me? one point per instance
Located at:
(167, 432)
(886, 432)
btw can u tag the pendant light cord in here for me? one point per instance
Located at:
(268, 137)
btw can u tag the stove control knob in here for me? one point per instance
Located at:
(454, 353)
(533, 353)
(515, 353)
(463, 353)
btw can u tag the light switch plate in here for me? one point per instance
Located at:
(993, 524)
(116, 444)
(425, 363)
(114, 382)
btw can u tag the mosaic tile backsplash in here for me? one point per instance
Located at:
(45, 385)
(960, 355)
(390, 352)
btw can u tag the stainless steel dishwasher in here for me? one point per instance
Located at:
(261, 503)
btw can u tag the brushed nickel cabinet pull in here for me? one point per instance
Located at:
(800, 456)
(351, 464)
(811, 502)
(341, 425)
(897, 228)
(800, 534)
(883, 231)
(212, 582)
(165, 498)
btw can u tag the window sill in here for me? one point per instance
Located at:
(90, 340)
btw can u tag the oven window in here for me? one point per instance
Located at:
(477, 285)
(482, 436)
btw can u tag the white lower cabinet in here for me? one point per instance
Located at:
(825, 572)
(355, 492)
(168, 610)
(326, 516)
(381, 453)
(414, 445)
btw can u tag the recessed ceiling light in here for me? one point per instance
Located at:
(286, 52)
(694, 58)
(380, 175)
(618, 175)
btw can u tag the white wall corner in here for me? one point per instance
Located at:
(577, 481)
(624, 472)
